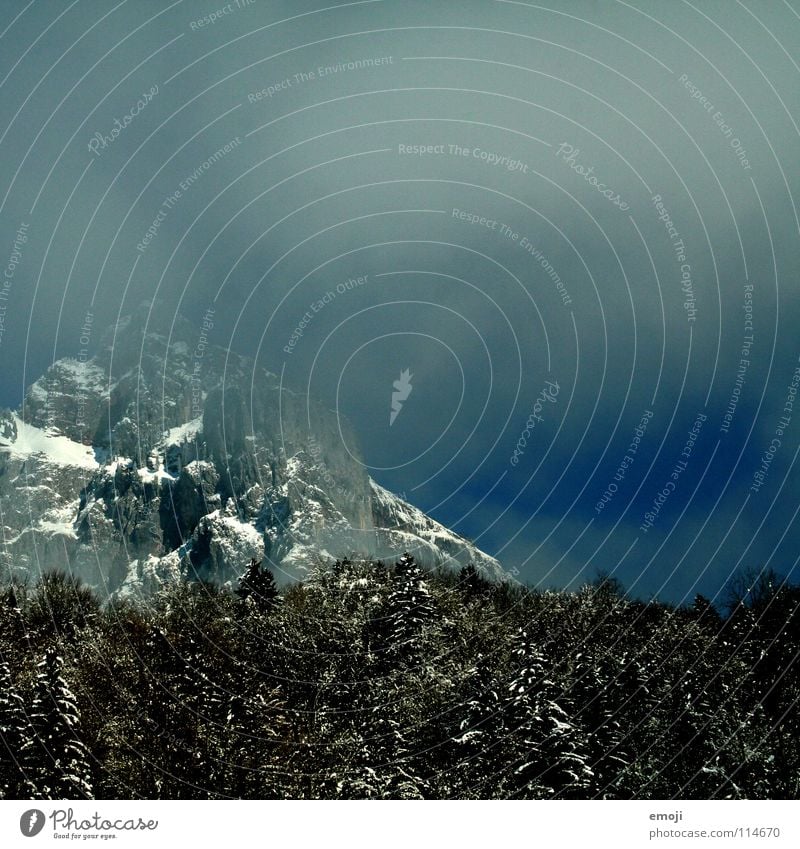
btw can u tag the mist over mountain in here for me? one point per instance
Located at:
(163, 457)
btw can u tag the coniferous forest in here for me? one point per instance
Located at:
(372, 681)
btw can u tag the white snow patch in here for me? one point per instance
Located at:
(85, 374)
(186, 432)
(150, 575)
(57, 521)
(58, 449)
(111, 468)
(154, 476)
(408, 527)
(243, 530)
(46, 526)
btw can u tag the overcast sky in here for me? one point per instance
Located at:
(564, 220)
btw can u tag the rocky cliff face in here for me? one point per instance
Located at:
(139, 467)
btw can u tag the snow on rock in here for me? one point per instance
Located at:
(148, 576)
(84, 375)
(60, 520)
(71, 396)
(8, 427)
(401, 526)
(186, 432)
(182, 445)
(178, 485)
(223, 545)
(56, 448)
(301, 560)
(57, 522)
(154, 475)
(242, 532)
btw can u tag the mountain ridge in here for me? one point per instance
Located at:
(116, 468)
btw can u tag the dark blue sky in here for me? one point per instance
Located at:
(573, 192)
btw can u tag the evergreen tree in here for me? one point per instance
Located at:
(59, 761)
(257, 585)
(472, 583)
(375, 682)
(14, 632)
(61, 605)
(480, 733)
(594, 698)
(14, 730)
(177, 697)
(409, 608)
(552, 760)
(705, 611)
(253, 726)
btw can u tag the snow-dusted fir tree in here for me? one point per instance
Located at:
(14, 730)
(409, 606)
(175, 696)
(480, 732)
(595, 697)
(14, 632)
(59, 761)
(551, 756)
(257, 586)
(472, 583)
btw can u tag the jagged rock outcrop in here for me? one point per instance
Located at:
(139, 467)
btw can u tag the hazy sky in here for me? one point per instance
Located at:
(564, 220)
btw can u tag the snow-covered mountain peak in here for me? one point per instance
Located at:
(129, 470)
